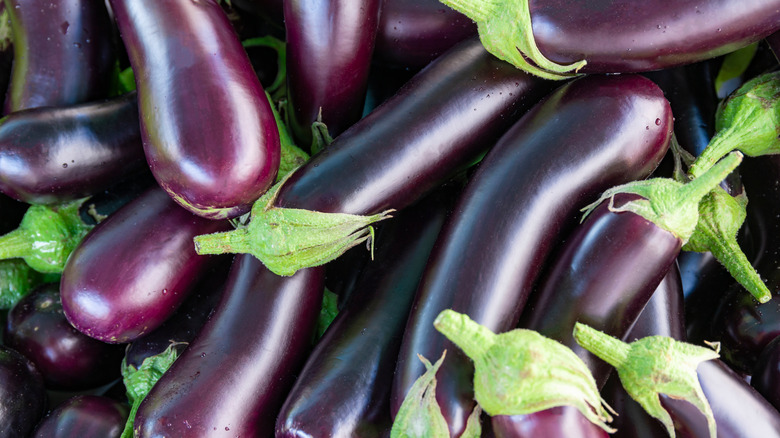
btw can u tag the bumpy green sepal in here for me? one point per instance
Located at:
(506, 31)
(139, 382)
(652, 366)
(670, 204)
(522, 372)
(289, 239)
(46, 236)
(420, 414)
(747, 121)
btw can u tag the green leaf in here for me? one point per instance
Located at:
(328, 312)
(420, 415)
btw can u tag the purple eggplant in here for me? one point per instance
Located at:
(413, 33)
(344, 389)
(57, 154)
(67, 358)
(555, 422)
(22, 394)
(488, 256)
(234, 376)
(133, 270)
(63, 53)
(84, 416)
(766, 373)
(213, 147)
(327, 69)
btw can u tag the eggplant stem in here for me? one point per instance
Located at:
(606, 347)
(15, 244)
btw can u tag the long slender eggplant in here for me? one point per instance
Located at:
(67, 358)
(134, 269)
(591, 134)
(63, 53)
(344, 389)
(22, 394)
(617, 36)
(390, 158)
(413, 33)
(84, 416)
(57, 154)
(327, 70)
(213, 147)
(233, 378)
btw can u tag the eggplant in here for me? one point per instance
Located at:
(134, 269)
(57, 154)
(63, 53)
(413, 33)
(488, 256)
(213, 148)
(327, 70)
(554, 422)
(765, 375)
(22, 394)
(84, 416)
(233, 378)
(66, 358)
(344, 388)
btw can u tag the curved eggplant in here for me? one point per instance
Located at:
(234, 376)
(63, 53)
(587, 136)
(58, 154)
(134, 269)
(67, 358)
(22, 394)
(84, 416)
(215, 147)
(413, 33)
(327, 69)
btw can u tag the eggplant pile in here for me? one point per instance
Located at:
(390, 218)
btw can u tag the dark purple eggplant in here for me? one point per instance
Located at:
(234, 377)
(562, 421)
(63, 53)
(774, 43)
(327, 69)
(618, 36)
(66, 358)
(208, 131)
(133, 270)
(765, 376)
(22, 394)
(589, 135)
(84, 416)
(57, 154)
(6, 50)
(413, 33)
(344, 389)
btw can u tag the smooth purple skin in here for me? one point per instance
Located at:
(233, 378)
(766, 374)
(134, 269)
(327, 69)
(344, 389)
(555, 422)
(84, 416)
(63, 53)
(589, 135)
(22, 394)
(56, 154)
(438, 123)
(209, 135)
(413, 33)
(603, 276)
(67, 359)
(621, 36)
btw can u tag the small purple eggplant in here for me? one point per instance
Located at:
(22, 394)
(84, 416)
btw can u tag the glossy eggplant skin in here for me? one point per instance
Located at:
(438, 123)
(621, 36)
(413, 33)
(57, 154)
(587, 136)
(344, 389)
(765, 377)
(134, 269)
(22, 394)
(560, 421)
(234, 377)
(84, 416)
(67, 358)
(327, 70)
(199, 98)
(63, 53)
